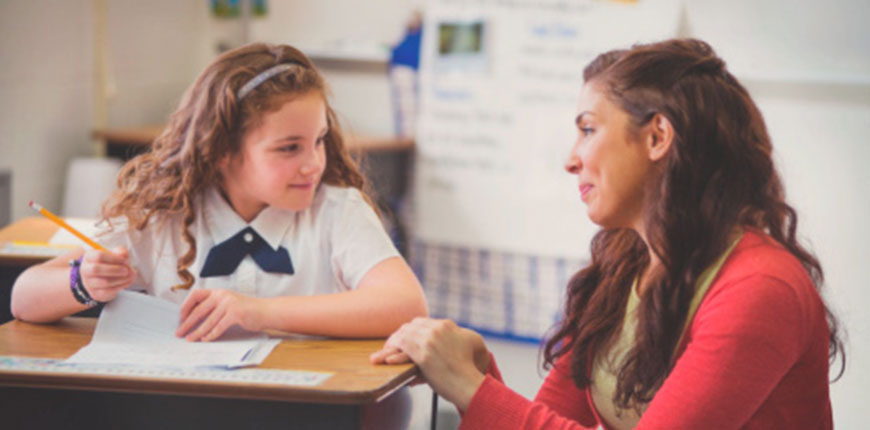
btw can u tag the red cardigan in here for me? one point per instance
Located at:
(754, 357)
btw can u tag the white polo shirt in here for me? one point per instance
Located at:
(332, 245)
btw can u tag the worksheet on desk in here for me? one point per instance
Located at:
(138, 329)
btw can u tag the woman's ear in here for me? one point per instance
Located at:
(660, 137)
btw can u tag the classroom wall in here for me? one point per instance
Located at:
(47, 90)
(342, 28)
(45, 95)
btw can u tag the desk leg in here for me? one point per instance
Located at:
(36, 408)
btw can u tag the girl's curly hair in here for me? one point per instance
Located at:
(208, 125)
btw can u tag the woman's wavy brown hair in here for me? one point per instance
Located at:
(718, 175)
(208, 125)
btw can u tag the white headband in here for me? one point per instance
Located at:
(262, 77)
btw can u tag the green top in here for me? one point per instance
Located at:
(604, 368)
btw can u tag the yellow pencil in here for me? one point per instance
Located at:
(37, 207)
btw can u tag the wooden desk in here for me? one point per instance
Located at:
(333, 404)
(32, 229)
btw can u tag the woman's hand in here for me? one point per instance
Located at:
(104, 274)
(453, 359)
(213, 312)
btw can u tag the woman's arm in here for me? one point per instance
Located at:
(42, 292)
(449, 358)
(559, 404)
(387, 296)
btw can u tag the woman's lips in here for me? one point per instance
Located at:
(584, 191)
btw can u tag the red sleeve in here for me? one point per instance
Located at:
(492, 370)
(558, 405)
(744, 338)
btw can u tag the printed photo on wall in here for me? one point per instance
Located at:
(233, 8)
(462, 46)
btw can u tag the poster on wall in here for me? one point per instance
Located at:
(499, 82)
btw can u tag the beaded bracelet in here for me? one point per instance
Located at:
(78, 288)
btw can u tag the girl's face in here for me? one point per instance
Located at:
(281, 161)
(612, 165)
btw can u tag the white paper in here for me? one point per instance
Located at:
(139, 329)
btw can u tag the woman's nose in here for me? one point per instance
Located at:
(573, 164)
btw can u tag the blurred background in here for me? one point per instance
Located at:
(462, 113)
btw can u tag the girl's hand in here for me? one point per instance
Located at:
(215, 311)
(453, 359)
(105, 273)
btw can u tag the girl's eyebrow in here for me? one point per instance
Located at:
(295, 137)
(290, 138)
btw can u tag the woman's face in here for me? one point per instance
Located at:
(612, 164)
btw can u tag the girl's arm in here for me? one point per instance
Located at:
(387, 296)
(42, 292)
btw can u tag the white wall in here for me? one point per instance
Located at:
(47, 88)
(155, 50)
(361, 94)
(45, 94)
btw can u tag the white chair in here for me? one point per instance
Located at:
(89, 182)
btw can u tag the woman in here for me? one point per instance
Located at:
(699, 309)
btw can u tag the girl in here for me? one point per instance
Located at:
(699, 309)
(248, 210)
